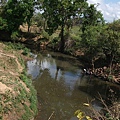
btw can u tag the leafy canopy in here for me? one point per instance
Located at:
(60, 12)
(15, 12)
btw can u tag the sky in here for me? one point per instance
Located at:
(109, 8)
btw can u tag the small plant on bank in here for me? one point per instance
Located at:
(26, 51)
(17, 46)
(14, 36)
(28, 113)
(81, 115)
(108, 112)
(21, 61)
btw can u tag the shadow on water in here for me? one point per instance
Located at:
(98, 88)
(61, 88)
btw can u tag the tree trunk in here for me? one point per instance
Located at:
(93, 62)
(28, 28)
(93, 65)
(62, 42)
(111, 61)
(28, 23)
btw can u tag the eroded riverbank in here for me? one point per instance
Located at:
(17, 95)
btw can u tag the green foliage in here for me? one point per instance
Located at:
(32, 96)
(90, 41)
(61, 11)
(91, 17)
(28, 114)
(38, 20)
(17, 12)
(90, 37)
(81, 115)
(110, 40)
(92, 26)
(61, 14)
(17, 46)
(33, 103)
(14, 35)
(3, 24)
(26, 51)
(75, 35)
(45, 34)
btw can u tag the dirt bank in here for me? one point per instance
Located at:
(17, 95)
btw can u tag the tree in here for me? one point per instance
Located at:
(59, 13)
(92, 23)
(110, 39)
(29, 11)
(91, 17)
(2, 3)
(3, 23)
(38, 20)
(91, 43)
(16, 12)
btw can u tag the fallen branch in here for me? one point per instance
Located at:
(51, 115)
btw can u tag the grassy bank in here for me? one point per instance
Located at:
(18, 99)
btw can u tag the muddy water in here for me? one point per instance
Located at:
(62, 88)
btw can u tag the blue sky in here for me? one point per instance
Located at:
(109, 8)
(111, 1)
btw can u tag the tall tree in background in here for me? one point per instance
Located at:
(2, 3)
(3, 23)
(92, 44)
(110, 38)
(59, 13)
(92, 22)
(39, 20)
(91, 17)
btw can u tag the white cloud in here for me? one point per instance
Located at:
(110, 11)
(94, 1)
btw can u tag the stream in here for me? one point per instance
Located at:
(62, 88)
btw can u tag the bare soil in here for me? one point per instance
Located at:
(11, 108)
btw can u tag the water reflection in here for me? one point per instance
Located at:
(39, 63)
(57, 69)
(61, 87)
(98, 88)
(58, 97)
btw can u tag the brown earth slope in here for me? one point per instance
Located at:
(15, 95)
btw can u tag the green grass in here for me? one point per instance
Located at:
(17, 46)
(32, 96)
